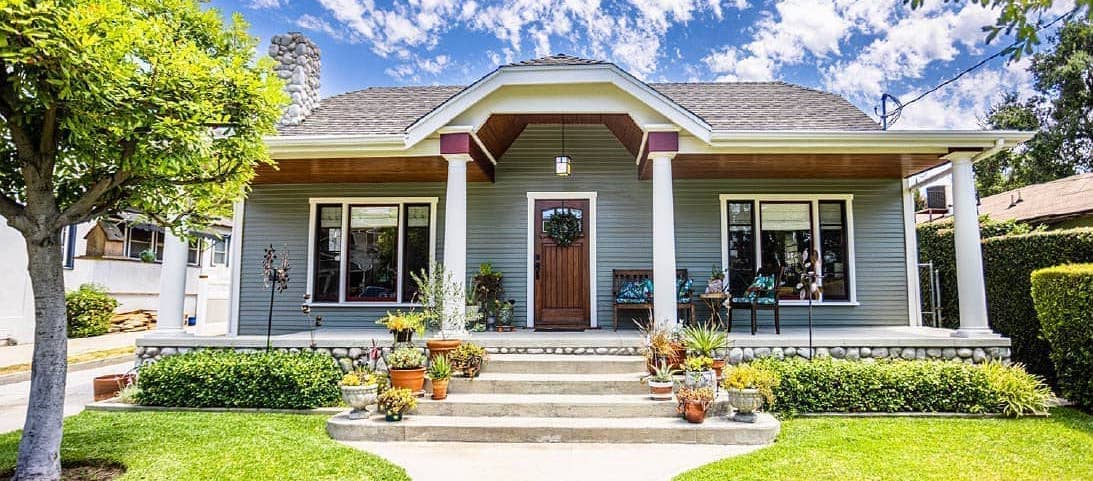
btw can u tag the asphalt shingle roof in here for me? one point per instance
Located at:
(1067, 196)
(723, 105)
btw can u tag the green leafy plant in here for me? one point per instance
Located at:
(704, 340)
(360, 378)
(698, 363)
(746, 376)
(404, 321)
(405, 358)
(717, 273)
(129, 394)
(436, 288)
(396, 401)
(1016, 391)
(440, 368)
(89, 310)
(225, 378)
(1063, 297)
(468, 357)
(488, 288)
(662, 372)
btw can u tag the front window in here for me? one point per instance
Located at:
(796, 233)
(384, 242)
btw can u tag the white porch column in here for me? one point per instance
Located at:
(664, 240)
(172, 285)
(969, 254)
(455, 225)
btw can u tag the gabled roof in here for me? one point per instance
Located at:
(722, 105)
(1067, 197)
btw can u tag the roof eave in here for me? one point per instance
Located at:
(940, 141)
(332, 145)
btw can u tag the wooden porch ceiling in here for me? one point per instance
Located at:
(796, 166)
(501, 130)
(364, 170)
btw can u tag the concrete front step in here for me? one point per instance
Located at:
(555, 405)
(531, 383)
(716, 430)
(564, 364)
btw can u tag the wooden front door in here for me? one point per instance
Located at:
(561, 273)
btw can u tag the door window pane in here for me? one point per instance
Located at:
(373, 243)
(328, 253)
(834, 240)
(787, 236)
(415, 247)
(741, 248)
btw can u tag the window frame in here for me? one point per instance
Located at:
(224, 240)
(346, 203)
(817, 234)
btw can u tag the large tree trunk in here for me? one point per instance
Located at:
(40, 447)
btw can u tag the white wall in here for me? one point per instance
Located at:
(16, 295)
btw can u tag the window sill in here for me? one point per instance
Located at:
(799, 303)
(363, 304)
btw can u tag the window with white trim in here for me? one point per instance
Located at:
(221, 250)
(766, 231)
(139, 238)
(363, 250)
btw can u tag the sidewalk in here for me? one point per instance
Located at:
(22, 353)
(79, 391)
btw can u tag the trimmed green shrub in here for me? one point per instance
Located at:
(827, 385)
(89, 310)
(1008, 260)
(1063, 296)
(225, 378)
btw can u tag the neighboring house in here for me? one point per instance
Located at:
(374, 184)
(1059, 204)
(108, 253)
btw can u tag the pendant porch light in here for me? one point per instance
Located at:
(563, 163)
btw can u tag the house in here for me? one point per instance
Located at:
(1060, 204)
(374, 184)
(108, 253)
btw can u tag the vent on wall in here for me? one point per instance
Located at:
(935, 197)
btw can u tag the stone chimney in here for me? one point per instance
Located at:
(298, 66)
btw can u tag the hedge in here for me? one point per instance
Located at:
(89, 310)
(1063, 297)
(1008, 261)
(225, 378)
(831, 385)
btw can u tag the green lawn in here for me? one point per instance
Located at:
(200, 446)
(1057, 448)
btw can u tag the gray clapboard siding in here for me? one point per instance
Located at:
(497, 229)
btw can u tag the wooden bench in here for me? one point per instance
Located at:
(620, 277)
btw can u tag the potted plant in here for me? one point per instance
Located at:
(406, 366)
(693, 402)
(662, 343)
(705, 340)
(396, 401)
(661, 382)
(473, 310)
(403, 325)
(440, 372)
(698, 372)
(505, 312)
(488, 290)
(716, 284)
(435, 292)
(747, 388)
(469, 358)
(359, 391)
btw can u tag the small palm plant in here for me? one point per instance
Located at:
(440, 372)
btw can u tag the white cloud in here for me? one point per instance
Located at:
(315, 24)
(261, 4)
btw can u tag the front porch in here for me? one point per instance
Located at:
(857, 342)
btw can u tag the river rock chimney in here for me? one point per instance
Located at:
(298, 66)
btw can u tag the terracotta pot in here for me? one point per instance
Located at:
(108, 386)
(441, 346)
(404, 336)
(718, 365)
(694, 412)
(412, 379)
(440, 389)
(660, 391)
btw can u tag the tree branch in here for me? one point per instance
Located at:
(83, 206)
(14, 212)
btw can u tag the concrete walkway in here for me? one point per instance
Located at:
(78, 392)
(435, 461)
(22, 353)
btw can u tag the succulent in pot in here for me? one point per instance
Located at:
(698, 372)
(395, 402)
(705, 340)
(693, 402)
(406, 366)
(748, 387)
(661, 382)
(440, 372)
(359, 391)
(469, 358)
(403, 325)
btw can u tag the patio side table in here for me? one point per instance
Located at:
(714, 304)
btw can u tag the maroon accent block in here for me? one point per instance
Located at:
(663, 141)
(455, 143)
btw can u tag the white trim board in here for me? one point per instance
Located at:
(813, 199)
(235, 261)
(345, 202)
(592, 292)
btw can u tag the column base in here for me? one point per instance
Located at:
(977, 332)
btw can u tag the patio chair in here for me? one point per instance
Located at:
(762, 294)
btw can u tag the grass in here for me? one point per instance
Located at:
(212, 446)
(78, 358)
(814, 449)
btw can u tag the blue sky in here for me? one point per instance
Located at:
(856, 48)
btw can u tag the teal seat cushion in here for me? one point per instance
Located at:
(635, 292)
(761, 291)
(683, 290)
(759, 300)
